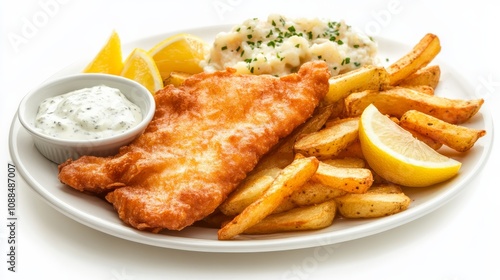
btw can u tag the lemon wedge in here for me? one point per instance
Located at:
(179, 53)
(109, 59)
(140, 67)
(397, 156)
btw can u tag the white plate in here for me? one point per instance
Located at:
(41, 175)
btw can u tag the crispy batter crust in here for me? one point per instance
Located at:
(205, 137)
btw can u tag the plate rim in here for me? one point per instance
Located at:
(252, 245)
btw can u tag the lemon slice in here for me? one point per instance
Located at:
(109, 59)
(397, 156)
(140, 67)
(179, 53)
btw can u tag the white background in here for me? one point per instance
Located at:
(458, 241)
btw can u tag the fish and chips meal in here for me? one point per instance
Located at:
(280, 125)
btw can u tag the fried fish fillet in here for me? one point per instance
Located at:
(205, 137)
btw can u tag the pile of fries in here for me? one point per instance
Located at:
(319, 171)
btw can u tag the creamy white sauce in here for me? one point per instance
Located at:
(88, 113)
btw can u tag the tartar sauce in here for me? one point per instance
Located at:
(88, 113)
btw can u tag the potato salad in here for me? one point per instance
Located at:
(279, 46)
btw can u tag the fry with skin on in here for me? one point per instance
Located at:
(378, 201)
(422, 89)
(289, 179)
(396, 101)
(248, 191)
(363, 78)
(308, 194)
(311, 217)
(459, 138)
(176, 78)
(283, 153)
(353, 150)
(329, 141)
(421, 55)
(426, 76)
(347, 162)
(352, 180)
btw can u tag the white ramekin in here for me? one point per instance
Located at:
(59, 150)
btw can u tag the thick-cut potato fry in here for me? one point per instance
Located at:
(308, 194)
(283, 154)
(364, 78)
(253, 187)
(422, 89)
(352, 180)
(346, 162)
(396, 101)
(176, 78)
(312, 217)
(378, 201)
(329, 141)
(289, 179)
(386, 188)
(459, 138)
(426, 76)
(353, 150)
(421, 55)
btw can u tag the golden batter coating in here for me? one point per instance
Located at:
(205, 137)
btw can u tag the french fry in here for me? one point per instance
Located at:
(396, 101)
(176, 78)
(308, 194)
(386, 188)
(422, 89)
(283, 153)
(329, 141)
(421, 55)
(253, 187)
(312, 217)
(459, 138)
(346, 162)
(353, 150)
(364, 78)
(427, 76)
(352, 180)
(289, 179)
(378, 201)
